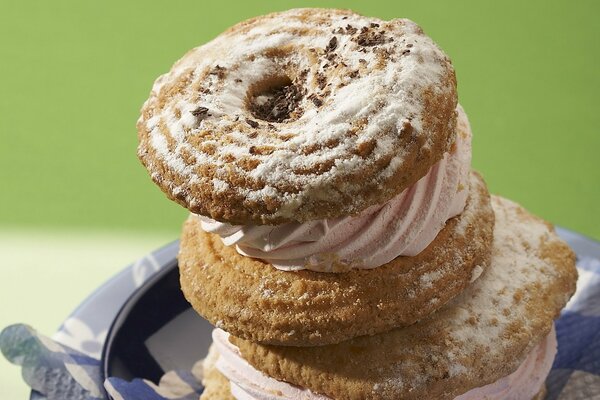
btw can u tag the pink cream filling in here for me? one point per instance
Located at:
(247, 383)
(404, 226)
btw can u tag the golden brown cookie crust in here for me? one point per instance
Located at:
(480, 336)
(252, 299)
(372, 109)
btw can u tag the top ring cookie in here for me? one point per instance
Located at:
(300, 115)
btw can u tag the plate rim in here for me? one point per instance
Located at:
(121, 316)
(162, 255)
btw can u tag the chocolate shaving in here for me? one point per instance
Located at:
(316, 100)
(238, 80)
(200, 112)
(348, 30)
(332, 45)
(369, 37)
(252, 123)
(321, 81)
(219, 71)
(280, 103)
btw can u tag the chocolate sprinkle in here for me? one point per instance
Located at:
(316, 100)
(252, 123)
(332, 45)
(280, 103)
(219, 71)
(321, 80)
(368, 37)
(200, 112)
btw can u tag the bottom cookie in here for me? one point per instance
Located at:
(218, 387)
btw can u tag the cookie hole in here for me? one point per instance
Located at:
(275, 99)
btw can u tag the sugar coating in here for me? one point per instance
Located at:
(483, 334)
(376, 95)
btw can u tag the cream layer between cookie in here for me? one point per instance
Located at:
(404, 226)
(247, 383)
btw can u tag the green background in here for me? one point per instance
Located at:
(73, 75)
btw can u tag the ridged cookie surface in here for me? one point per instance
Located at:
(300, 115)
(477, 338)
(252, 299)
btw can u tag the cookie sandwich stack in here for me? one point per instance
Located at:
(338, 239)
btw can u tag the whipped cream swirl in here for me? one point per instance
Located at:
(403, 226)
(247, 383)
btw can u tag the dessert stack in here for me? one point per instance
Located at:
(338, 239)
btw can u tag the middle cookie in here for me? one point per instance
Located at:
(251, 299)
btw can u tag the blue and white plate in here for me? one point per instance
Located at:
(140, 325)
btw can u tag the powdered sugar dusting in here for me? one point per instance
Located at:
(377, 71)
(480, 336)
(480, 323)
(428, 279)
(494, 301)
